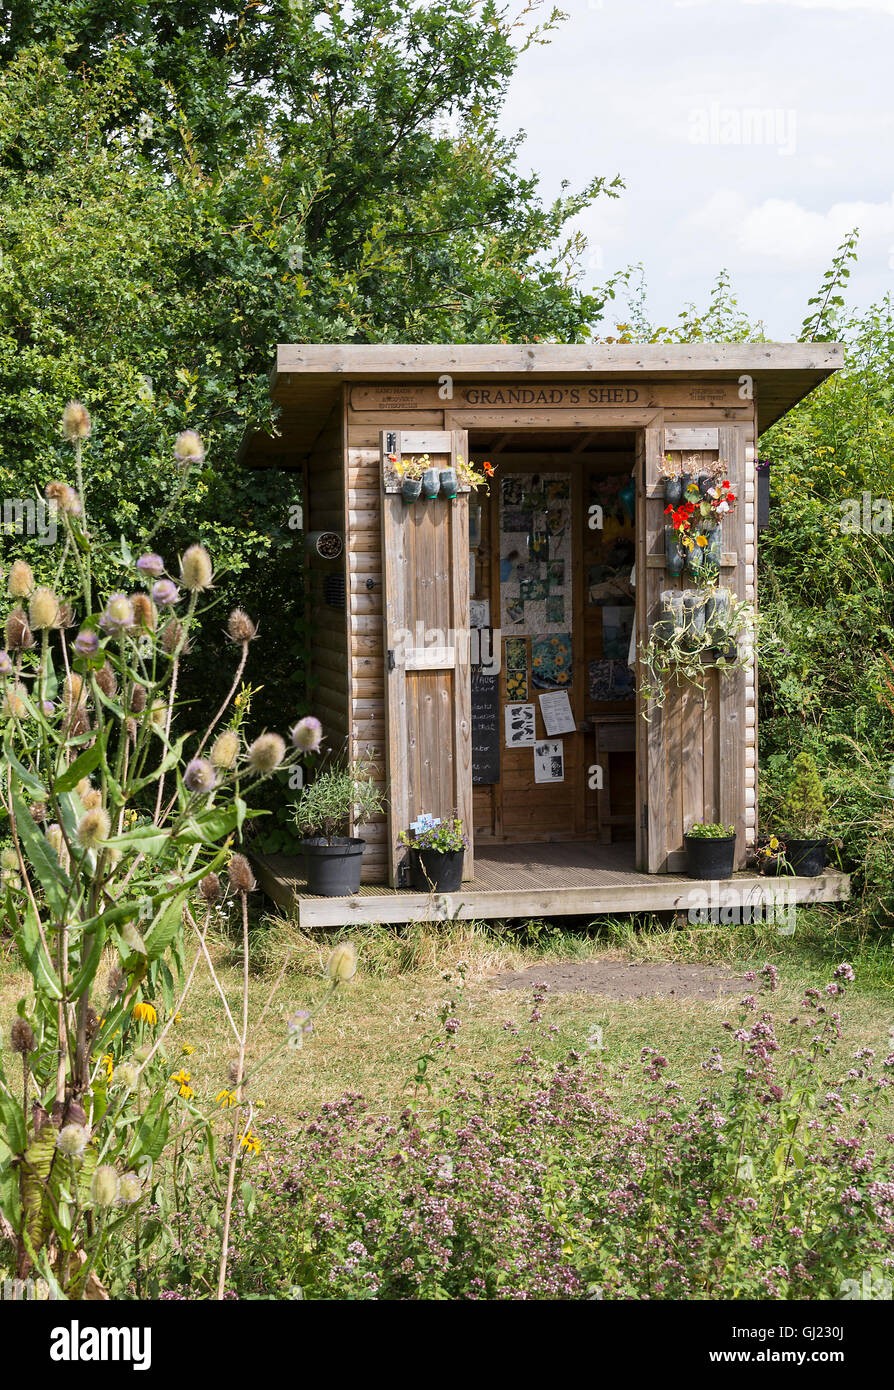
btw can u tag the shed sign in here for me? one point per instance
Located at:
(537, 395)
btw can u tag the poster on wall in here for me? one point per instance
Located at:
(520, 726)
(555, 707)
(479, 612)
(536, 552)
(549, 761)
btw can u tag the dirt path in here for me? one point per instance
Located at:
(622, 980)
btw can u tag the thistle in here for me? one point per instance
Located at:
(240, 627)
(93, 828)
(18, 633)
(266, 754)
(43, 610)
(118, 613)
(86, 643)
(21, 579)
(242, 880)
(165, 593)
(151, 565)
(307, 734)
(196, 570)
(76, 421)
(188, 447)
(199, 776)
(225, 749)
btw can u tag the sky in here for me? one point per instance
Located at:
(752, 135)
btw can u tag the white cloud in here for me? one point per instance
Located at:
(780, 234)
(879, 6)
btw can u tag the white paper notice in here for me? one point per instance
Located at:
(555, 707)
(549, 761)
(520, 726)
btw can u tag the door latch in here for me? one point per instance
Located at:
(390, 659)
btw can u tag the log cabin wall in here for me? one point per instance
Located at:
(325, 510)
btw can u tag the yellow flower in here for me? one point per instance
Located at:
(701, 540)
(774, 843)
(187, 1092)
(181, 1078)
(226, 1098)
(178, 1017)
(108, 1062)
(187, 1050)
(250, 1142)
(144, 1013)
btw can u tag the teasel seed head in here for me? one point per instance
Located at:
(188, 447)
(43, 610)
(5, 664)
(18, 634)
(91, 1024)
(78, 722)
(117, 983)
(342, 963)
(105, 1185)
(93, 828)
(172, 637)
(73, 690)
(91, 799)
(66, 614)
(72, 1140)
(199, 776)
(266, 754)
(209, 887)
(127, 1075)
(106, 680)
(38, 811)
(157, 714)
(165, 592)
(22, 1036)
(118, 613)
(130, 1189)
(196, 571)
(131, 727)
(242, 880)
(144, 611)
(86, 643)
(65, 497)
(13, 704)
(307, 734)
(76, 421)
(9, 860)
(21, 579)
(151, 565)
(138, 699)
(225, 749)
(240, 627)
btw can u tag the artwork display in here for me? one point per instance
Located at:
(479, 612)
(536, 553)
(549, 761)
(516, 654)
(551, 661)
(521, 726)
(516, 685)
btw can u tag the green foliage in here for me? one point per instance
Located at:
(447, 836)
(710, 830)
(803, 807)
(325, 807)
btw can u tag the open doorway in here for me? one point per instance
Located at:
(551, 576)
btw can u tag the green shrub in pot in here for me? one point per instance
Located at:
(805, 818)
(322, 817)
(437, 849)
(711, 850)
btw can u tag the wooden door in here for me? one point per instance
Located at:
(425, 579)
(691, 749)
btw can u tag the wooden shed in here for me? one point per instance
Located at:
(439, 627)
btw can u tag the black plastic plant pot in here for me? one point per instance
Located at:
(673, 491)
(807, 858)
(448, 482)
(431, 482)
(410, 489)
(710, 858)
(436, 870)
(333, 870)
(673, 552)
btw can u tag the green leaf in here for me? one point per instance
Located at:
(53, 881)
(82, 766)
(86, 970)
(27, 779)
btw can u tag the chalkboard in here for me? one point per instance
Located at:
(485, 726)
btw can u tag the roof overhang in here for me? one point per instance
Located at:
(308, 377)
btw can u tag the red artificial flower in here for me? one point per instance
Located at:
(489, 469)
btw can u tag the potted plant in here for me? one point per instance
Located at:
(411, 479)
(332, 858)
(674, 556)
(472, 477)
(770, 858)
(436, 850)
(711, 849)
(431, 478)
(449, 482)
(804, 816)
(673, 482)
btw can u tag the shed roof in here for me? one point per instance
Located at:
(307, 377)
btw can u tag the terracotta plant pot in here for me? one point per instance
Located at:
(710, 859)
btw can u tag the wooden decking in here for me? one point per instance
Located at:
(545, 880)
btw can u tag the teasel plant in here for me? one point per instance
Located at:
(118, 826)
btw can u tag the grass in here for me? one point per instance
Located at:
(371, 1033)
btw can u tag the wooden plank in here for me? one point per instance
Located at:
(731, 701)
(462, 675)
(694, 437)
